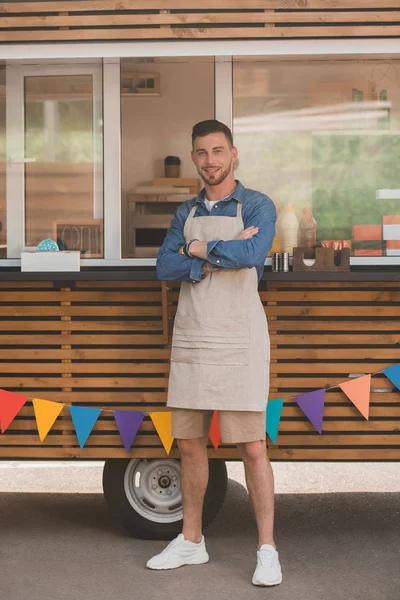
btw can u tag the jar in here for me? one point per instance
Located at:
(172, 166)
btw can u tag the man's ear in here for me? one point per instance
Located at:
(235, 154)
(192, 156)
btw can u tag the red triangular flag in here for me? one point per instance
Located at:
(358, 391)
(10, 405)
(215, 432)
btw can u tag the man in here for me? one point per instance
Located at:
(216, 245)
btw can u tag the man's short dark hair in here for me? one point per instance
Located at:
(211, 126)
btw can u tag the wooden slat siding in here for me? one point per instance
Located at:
(312, 328)
(116, 375)
(129, 34)
(74, 354)
(267, 17)
(192, 19)
(125, 5)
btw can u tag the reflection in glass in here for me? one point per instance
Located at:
(3, 164)
(324, 132)
(161, 100)
(62, 158)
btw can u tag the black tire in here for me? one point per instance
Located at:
(140, 519)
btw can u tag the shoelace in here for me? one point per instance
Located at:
(266, 558)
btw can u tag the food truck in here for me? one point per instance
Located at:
(97, 102)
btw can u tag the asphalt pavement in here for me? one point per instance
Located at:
(342, 545)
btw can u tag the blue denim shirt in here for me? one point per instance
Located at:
(257, 210)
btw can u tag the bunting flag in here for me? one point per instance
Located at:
(358, 391)
(215, 432)
(128, 423)
(84, 419)
(10, 405)
(312, 405)
(273, 418)
(162, 421)
(393, 374)
(46, 412)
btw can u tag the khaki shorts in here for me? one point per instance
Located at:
(236, 426)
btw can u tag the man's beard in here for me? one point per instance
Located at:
(215, 179)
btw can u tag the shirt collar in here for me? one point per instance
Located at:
(237, 194)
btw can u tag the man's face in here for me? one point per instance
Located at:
(213, 157)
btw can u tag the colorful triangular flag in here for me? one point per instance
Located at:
(162, 421)
(10, 405)
(215, 433)
(312, 405)
(393, 373)
(46, 412)
(274, 410)
(84, 419)
(128, 423)
(358, 391)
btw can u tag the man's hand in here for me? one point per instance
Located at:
(199, 249)
(248, 233)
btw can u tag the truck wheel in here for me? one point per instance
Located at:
(145, 495)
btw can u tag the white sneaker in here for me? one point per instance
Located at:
(268, 570)
(180, 552)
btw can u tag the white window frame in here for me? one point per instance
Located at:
(15, 75)
(223, 51)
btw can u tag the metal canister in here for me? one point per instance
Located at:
(276, 261)
(285, 261)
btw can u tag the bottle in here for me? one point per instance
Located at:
(290, 228)
(308, 228)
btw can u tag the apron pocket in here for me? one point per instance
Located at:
(211, 341)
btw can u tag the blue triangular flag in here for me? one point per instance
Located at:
(274, 410)
(128, 423)
(84, 419)
(393, 373)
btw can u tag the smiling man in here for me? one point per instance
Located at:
(216, 245)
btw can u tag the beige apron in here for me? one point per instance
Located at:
(220, 344)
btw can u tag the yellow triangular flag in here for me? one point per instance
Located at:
(162, 421)
(46, 412)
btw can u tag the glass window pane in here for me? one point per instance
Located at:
(3, 163)
(63, 164)
(326, 133)
(161, 100)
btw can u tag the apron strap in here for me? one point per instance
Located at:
(239, 211)
(191, 214)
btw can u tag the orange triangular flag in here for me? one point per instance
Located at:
(10, 405)
(358, 391)
(46, 412)
(162, 421)
(215, 432)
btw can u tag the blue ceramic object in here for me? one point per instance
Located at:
(47, 245)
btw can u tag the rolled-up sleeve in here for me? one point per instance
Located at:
(238, 254)
(172, 266)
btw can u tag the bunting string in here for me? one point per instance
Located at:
(128, 421)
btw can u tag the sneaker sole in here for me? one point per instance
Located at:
(167, 567)
(277, 582)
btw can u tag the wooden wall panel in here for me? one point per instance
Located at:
(107, 344)
(192, 19)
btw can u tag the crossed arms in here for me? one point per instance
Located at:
(249, 249)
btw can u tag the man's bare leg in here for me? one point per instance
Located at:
(194, 480)
(260, 483)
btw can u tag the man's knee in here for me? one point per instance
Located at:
(253, 451)
(192, 447)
